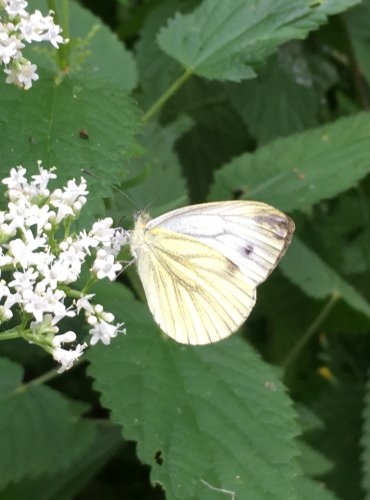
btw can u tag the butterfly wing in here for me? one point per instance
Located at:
(195, 293)
(252, 235)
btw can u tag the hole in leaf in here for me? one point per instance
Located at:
(158, 457)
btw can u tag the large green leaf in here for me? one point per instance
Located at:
(39, 432)
(45, 124)
(227, 39)
(300, 170)
(65, 485)
(310, 273)
(215, 414)
(287, 95)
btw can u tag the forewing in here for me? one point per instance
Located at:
(252, 235)
(196, 294)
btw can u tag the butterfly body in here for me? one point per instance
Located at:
(200, 265)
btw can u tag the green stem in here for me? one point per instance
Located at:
(311, 330)
(169, 93)
(46, 377)
(13, 333)
(63, 22)
(70, 292)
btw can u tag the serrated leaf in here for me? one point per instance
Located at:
(277, 103)
(50, 132)
(227, 39)
(39, 433)
(65, 486)
(309, 272)
(300, 170)
(365, 443)
(308, 489)
(216, 414)
(313, 462)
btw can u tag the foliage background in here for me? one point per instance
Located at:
(180, 101)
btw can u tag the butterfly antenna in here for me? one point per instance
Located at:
(88, 172)
(149, 204)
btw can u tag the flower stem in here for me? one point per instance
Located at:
(169, 93)
(13, 333)
(311, 330)
(63, 22)
(46, 377)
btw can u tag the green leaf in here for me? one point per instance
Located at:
(340, 408)
(157, 71)
(308, 489)
(65, 486)
(281, 100)
(158, 168)
(309, 272)
(312, 461)
(365, 443)
(227, 39)
(218, 134)
(39, 431)
(358, 25)
(216, 414)
(300, 170)
(95, 52)
(46, 128)
(108, 57)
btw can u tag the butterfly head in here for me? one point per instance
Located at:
(137, 234)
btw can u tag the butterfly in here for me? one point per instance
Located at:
(200, 265)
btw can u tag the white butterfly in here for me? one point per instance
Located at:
(200, 265)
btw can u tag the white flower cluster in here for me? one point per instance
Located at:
(43, 259)
(18, 26)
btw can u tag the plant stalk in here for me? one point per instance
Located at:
(311, 330)
(169, 93)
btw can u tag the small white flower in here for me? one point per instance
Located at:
(23, 280)
(68, 358)
(84, 303)
(38, 216)
(23, 252)
(53, 35)
(16, 8)
(104, 266)
(102, 231)
(64, 338)
(44, 301)
(42, 179)
(104, 332)
(64, 210)
(17, 178)
(26, 74)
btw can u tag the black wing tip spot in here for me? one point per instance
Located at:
(248, 250)
(158, 457)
